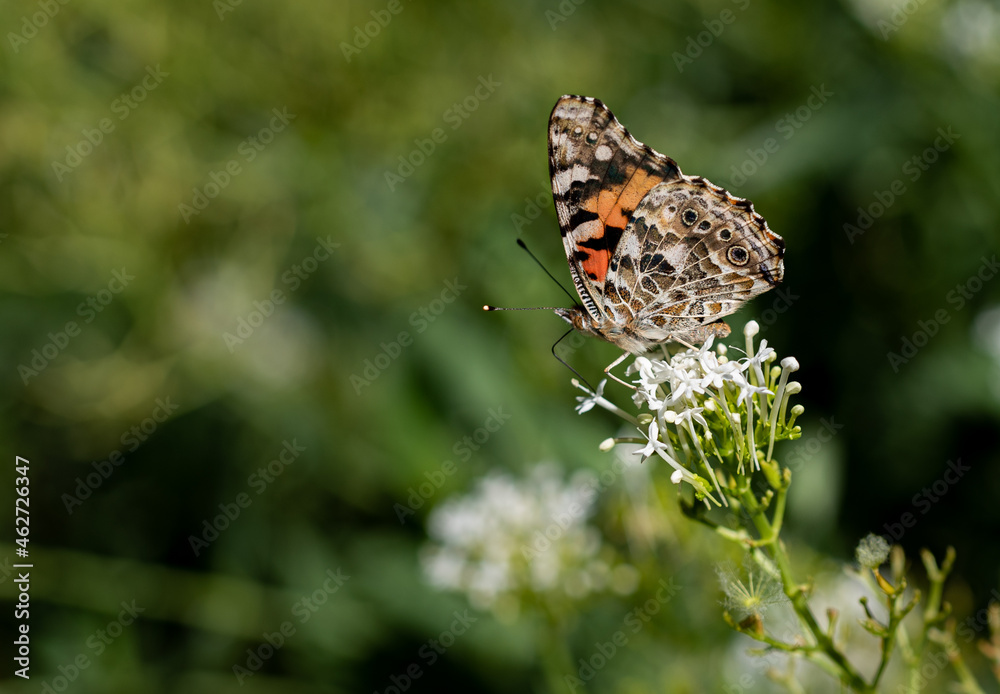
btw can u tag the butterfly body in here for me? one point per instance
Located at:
(655, 255)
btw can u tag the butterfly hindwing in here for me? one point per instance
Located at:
(700, 252)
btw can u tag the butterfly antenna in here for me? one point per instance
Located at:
(563, 361)
(545, 270)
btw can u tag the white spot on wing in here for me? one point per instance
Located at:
(563, 179)
(603, 153)
(588, 230)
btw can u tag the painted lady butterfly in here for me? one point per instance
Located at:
(655, 255)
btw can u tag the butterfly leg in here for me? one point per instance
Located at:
(615, 363)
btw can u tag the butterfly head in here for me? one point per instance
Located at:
(578, 318)
(609, 330)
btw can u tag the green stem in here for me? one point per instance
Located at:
(779, 510)
(769, 538)
(965, 676)
(896, 616)
(557, 663)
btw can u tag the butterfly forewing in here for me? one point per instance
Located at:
(600, 174)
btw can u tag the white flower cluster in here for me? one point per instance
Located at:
(511, 538)
(702, 405)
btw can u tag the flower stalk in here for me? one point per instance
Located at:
(715, 420)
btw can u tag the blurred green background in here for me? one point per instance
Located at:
(165, 168)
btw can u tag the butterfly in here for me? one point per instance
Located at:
(655, 255)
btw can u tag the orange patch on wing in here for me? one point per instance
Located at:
(597, 264)
(613, 200)
(609, 205)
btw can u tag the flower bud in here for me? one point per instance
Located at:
(751, 328)
(872, 551)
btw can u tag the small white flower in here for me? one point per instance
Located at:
(747, 391)
(757, 361)
(655, 446)
(702, 404)
(691, 415)
(642, 366)
(717, 373)
(685, 385)
(653, 443)
(705, 348)
(587, 402)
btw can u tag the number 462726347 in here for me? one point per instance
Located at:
(21, 505)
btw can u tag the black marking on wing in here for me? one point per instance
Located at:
(581, 216)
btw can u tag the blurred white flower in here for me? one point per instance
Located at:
(512, 537)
